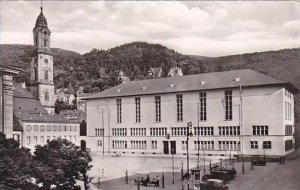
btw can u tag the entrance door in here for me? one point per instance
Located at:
(166, 147)
(173, 147)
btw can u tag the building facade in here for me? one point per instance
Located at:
(6, 98)
(234, 112)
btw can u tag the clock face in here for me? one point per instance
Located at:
(46, 61)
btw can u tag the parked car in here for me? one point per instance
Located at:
(213, 184)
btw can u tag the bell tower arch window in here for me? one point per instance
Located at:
(45, 42)
(46, 76)
(46, 96)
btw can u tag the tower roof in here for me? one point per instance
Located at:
(41, 20)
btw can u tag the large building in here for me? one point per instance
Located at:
(233, 112)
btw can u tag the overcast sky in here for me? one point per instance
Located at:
(195, 28)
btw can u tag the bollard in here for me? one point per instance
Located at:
(243, 166)
(126, 176)
(252, 164)
(181, 174)
(98, 184)
(163, 180)
(138, 183)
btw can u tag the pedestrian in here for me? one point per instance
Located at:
(157, 180)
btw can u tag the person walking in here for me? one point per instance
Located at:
(157, 180)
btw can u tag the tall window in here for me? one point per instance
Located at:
(179, 107)
(202, 106)
(228, 105)
(46, 96)
(46, 77)
(138, 110)
(157, 109)
(45, 42)
(119, 111)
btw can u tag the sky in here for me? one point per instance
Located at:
(206, 28)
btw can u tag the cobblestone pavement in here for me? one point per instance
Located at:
(271, 177)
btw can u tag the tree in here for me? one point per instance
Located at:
(16, 166)
(59, 163)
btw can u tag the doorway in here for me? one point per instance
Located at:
(173, 147)
(166, 147)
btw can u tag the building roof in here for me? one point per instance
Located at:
(27, 108)
(205, 81)
(41, 20)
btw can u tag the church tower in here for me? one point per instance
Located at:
(42, 86)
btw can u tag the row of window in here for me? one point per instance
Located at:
(265, 144)
(99, 132)
(258, 130)
(179, 107)
(42, 139)
(203, 145)
(51, 128)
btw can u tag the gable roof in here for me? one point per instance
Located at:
(27, 108)
(205, 81)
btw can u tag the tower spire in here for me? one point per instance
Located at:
(41, 5)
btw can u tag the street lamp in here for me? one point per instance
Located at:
(188, 133)
(182, 187)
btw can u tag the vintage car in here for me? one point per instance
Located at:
(213, 184)
(259, 162)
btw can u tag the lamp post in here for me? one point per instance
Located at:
(204, 158)
(188, 133)
(182, 187)
(198, 134)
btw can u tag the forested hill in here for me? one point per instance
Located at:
(99, 68)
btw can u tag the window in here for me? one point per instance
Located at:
(138, 144)
(288, 130)
(119, 132)
(254, 144)
(54, 128)
(162, 131)
(28, 140)
(154, 144)
(99, 132)
(179, 107)
(42, 128)
(157, 108)
(228, 105)
(99, 143)
(46, 75)
(46, 96)
(267, 145)
(202, 106)
(59, 128)
(229, 145)
(45, 42)
(204, 131)
(289, 145)
(36, 128)
(74, 128)
(42, 140)
(119, 111)
(260, 130)
(28, 127)
(48, 128)
(65, 128)
(35, 139)
(137, 131)
(184, 145)
(204, 145)
(138, 110)
(178, 131)
(229, 130)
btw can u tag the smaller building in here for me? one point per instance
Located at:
(34, 126)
